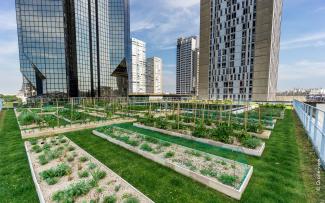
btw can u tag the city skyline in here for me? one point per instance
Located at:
(301, 58)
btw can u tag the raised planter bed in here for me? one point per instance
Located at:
(254, 152)
(70, 128)
(224, 175)
(265, 134)
(63, 172)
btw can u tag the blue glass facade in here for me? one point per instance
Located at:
(73, 47)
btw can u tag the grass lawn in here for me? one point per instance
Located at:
(16, 184)
(279, 176)
(285, 173)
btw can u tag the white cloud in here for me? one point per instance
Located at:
(142, 25)
(182, 3)
(8, 20)
(163, 21)
(10, 77)
(302, 74)
(307, 40)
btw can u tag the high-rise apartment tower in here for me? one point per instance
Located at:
(239, 49)
(74, 48)
(154, 75)
(138, 72)
(187, 65)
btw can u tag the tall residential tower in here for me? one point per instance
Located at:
(74, 48)
(187, 65)
(138, 72)
(154, 75)
(239, 49)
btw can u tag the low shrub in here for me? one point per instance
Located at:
(254, 128)
(92, 166)
(128, 198)
(55, 172)
(209, 172)
(169, 155)
(228, 179)
(193, 152)
(73, 191)
(251, 142)
(83, 174)
(146, 147)
(29, 118)
(37, 149)
(200, 131)
(83, 159)
(110, 199)
(71, 148)
(42, 159)
(222, 133)
(33, 142)
(98, 175)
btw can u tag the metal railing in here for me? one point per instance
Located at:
(313, 120)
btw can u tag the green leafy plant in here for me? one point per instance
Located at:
(37, 149)
(222, 133)
(73, 191)
(200, 131)
(228, 179)
(193, 152)
(146, 147)
(71, 148)
(42, 159)
(83, 174)
(131, 199)
(169, 155)
(117, 188)
(83, 159)
(92, 166)
(55, 172)
(33, 142)
(110, 199)
(209, 172)
(251, 142)
(98, 175)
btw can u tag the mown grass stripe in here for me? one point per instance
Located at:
(16, 184)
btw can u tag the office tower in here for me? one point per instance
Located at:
(154, 75)
(74, 48)
(239, 53)
(138, 72)
(186, 68)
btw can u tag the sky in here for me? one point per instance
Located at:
(160, 22)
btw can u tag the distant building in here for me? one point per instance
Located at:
(239, 49)
(138, 69)
(154, 75)
(187, 65)
(74, 48)
(1, 104)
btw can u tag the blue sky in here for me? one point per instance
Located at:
(160, 22)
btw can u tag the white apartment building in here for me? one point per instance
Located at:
(154, 75)
(187, 65)
(137, 82)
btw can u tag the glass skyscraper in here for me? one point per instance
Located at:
(74, 48)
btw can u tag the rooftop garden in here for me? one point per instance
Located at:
(185, 144)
